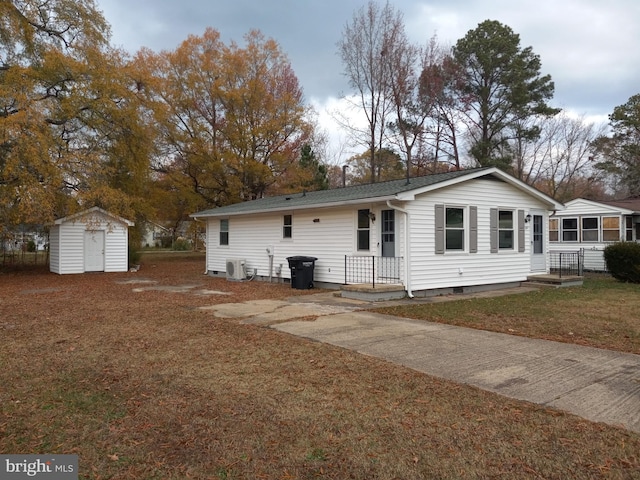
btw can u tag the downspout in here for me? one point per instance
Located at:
(407, 246)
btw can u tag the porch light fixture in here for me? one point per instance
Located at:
(372, 216)
(527, 219)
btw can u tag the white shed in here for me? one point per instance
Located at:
(90, 241)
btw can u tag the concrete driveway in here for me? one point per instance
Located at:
(598, 385)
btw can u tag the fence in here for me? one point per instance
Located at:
(372, 270)
(566, 263)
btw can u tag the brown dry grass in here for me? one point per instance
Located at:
(144, 385)
(603, 313)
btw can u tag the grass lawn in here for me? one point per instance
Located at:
(141, 384)
(603, 313)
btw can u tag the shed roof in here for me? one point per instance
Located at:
(86, 213)
(382, 191)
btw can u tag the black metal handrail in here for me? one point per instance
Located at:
(359, 269)
(566, 263)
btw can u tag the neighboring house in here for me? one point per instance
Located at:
(154, 234)
(90, 241)
(453, 231)
(23, 238)
(588, 226)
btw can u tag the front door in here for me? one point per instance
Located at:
(94, 251)
(388, 265)
(388, 233)
(538, 253)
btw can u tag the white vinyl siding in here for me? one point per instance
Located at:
(327, 234)
(430, 270)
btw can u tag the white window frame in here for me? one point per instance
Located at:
(576, 230)
(512, 229)
(221, 237)
(555, 230)
(589, 230)
(464, 229)
(287, 226)
(363, 229)
(628, 228)
(604, 230)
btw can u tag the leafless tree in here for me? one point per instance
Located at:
(363, 49)
(561, 160)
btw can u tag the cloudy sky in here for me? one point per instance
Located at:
(591, 48)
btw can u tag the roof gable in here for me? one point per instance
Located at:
(92, 212)
(358, 194)
(582, 206)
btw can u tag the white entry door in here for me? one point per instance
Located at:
(538, 251)
(94, 251)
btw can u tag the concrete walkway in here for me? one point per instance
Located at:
(596, 384)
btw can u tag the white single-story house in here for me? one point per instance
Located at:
(448, 232)
(90, 241)
(588, 226)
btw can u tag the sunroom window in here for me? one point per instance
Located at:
(628, 229)
(590, 229)
(610, 229)
(553, 230)
(569, 229)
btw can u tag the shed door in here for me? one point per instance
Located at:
(94, 251)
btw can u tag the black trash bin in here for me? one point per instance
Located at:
(301, 271)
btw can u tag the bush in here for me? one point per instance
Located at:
(181, 244)
(623, 261)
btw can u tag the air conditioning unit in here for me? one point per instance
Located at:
(235, 269)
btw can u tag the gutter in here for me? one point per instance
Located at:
(407, 246)
(287, 208)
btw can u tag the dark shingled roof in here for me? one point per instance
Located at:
(628, 203)
(338, 195)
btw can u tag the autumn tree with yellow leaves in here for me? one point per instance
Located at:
(156, 136)
(231, 119)
(70, 129)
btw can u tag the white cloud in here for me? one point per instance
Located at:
(590, 48)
